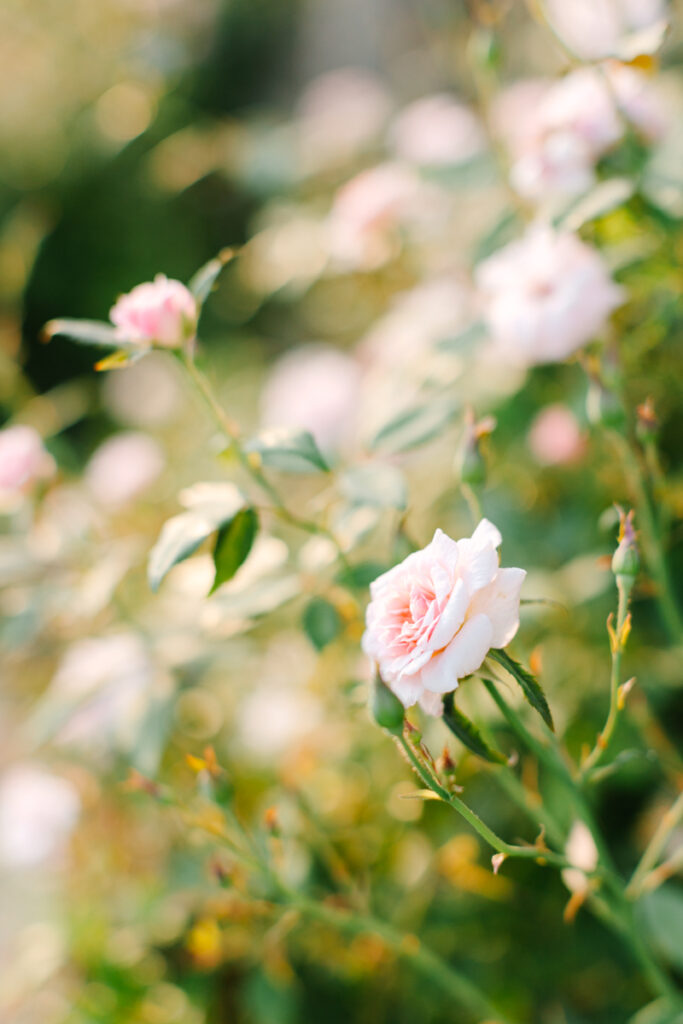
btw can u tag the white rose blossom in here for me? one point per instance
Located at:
(545, 295)
(433, 618)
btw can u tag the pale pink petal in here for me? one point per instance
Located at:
(408, 690)
(431, 703)
(452, 617)
(463, 656)
(500, 602)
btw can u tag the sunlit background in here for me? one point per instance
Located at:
(365, 156)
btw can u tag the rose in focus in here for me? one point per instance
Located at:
(433, 618)
(160, 312)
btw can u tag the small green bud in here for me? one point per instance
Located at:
(626, 561)
(647, 424)
(470, 463)
(386, 708)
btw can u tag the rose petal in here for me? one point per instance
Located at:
(500, 602)
(463, 655)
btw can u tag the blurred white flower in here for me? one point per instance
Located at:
(545, 295)
(437, 131)
(555, 436)
(122, 467)
(582, 854)
(38, 812)
(433, 618)
(23, 461)
(366, 215)
(99, 693)
(274, 718)
(605, 28)
(314, 388)
(340, 113)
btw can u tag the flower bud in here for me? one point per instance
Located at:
(626, 561)
(470, 464)
(647, 424)
(386, 708)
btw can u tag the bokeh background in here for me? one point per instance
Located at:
(142, 136)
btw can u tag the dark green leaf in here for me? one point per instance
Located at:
(415, 426)
(205, 278)
(661, 912)
(529, 684)
(467, 732)
(322, 622)
(233, 544)
(291, 451)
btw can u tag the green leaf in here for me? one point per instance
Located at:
(322, 622)
(360, 576)
(415, 426)
(605, 197)
(233, 544)
(179, 538)
(84, 332)
(375, 484)
(529, 684)
(210, 508)
(464, 339)
(203, 281)
(467, 732)
(661, 912)
(291, 451)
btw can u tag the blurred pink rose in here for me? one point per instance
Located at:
(23, 461)
(604, 28)
(437, 131)
(555, 436)
(339, 114)
(545, 295)
(557, 131)
(159, 312)
(122, 467)
(38, 811)
(367, 212)
(314, 388)
(433, 618)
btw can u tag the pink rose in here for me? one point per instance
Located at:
(23, 461)
(437, 131)
(159, 312)
(433, 618)
(545, 295)
(604, 28)
(555, 436)
(122, 467)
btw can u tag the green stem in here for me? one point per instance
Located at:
(232, 431)
(652, 544)
(617, 647)
(670, 820)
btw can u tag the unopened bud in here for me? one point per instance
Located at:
(386, 708)
(626, 561)
(470, 464)
(647, 424)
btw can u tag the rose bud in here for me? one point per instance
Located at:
(626, 561)
(161, 312)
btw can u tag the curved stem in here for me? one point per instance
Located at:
(232, 431)
(670, 820)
